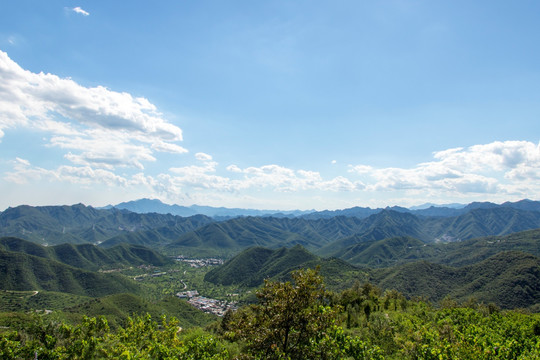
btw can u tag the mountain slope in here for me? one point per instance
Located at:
(484, 222)
(118, 307)
(235, 235)
(476, 223)
(509, 279)
(20, 271)
(87, 256)
(400, 250)
(79, 224)
(382, 253)
(252, 266)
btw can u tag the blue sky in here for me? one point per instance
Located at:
(269, 104)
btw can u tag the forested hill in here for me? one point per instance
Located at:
(343, 236)
(338, 236)
(510, 279)
(79, 224)
(87, 256)
(20, 271)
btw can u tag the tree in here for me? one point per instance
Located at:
(290, 320)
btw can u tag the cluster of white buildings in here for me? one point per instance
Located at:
(212, 306)
(196, 263)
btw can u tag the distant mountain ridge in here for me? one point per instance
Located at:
(143, 206)
(338, 235)
(200, 235)
(431, 211)
(79, 224)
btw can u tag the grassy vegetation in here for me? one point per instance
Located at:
(299, 321)
(154, 295)
(119, 307)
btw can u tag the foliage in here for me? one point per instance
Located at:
(141, 338)
(292, 321)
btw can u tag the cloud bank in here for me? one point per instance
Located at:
(495, 171)
(509, 167)
(108, 138)
(97, 126)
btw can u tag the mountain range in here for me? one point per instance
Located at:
(507, 278)
(340, 236)
(484, 250)
(144, 206)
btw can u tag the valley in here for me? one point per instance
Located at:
(71, 263)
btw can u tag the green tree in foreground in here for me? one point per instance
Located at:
(295, 321)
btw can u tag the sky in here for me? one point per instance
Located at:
(269, 104)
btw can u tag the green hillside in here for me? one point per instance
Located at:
(509, 279)
(203, 236)
(475, 250)
(383, 253)
(87, 256)
(242, 268)
(339, 236)
(20, 271)
(25, 301)
(400, 250)
(118, 307)
(79, 224)
(252, 266)
(232, 236)
(483, 222)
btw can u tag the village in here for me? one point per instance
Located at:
(197, 263)
(212, 306)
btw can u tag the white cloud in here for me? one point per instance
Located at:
(498, 156)
(270, 177)
(22, 162)
(234, 169)
(78, 10)
(203, 157)
(108, 128)
(162, 146)
(103, 149)
(24, 172)
(361, 169)
(481, 169)
(507, 169)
